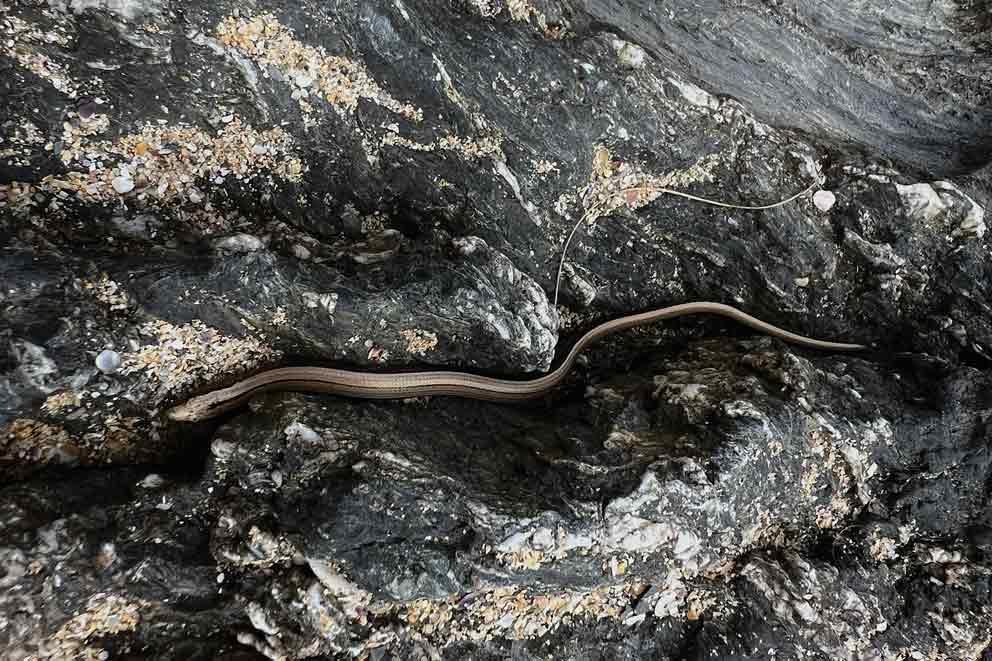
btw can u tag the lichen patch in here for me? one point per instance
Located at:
(419, 342)
(193, 354)
(27, 444)
(105, 614)
(165, 162)
(468, 148)
(108, 292)
(20, 141)
(508, 612)
(616, 184)
(310, 70)
(32, 442)
(61, 402)
(159, 166)
(521, 11)
(24, 43)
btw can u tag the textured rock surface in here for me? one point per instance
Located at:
(193, 191)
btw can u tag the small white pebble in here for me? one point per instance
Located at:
(635, 620)
(152, 481)
(108, 361)
(467, 245)
(300, 431)
(239, 243)
(123, 184)
(222, 450)
(631, 55)
(301, 252)
(824, 200)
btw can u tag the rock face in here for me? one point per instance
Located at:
(191, 192)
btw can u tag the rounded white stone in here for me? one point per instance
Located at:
(632, 56)
(300, 251)
(108, 361)
(824, 200)
(239, 243)
(123, 184)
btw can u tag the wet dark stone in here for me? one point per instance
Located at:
(382, 185)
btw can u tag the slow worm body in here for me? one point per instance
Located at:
(458, 384)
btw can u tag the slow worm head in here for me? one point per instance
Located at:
(458, 384)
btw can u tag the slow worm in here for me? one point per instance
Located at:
(458, 384)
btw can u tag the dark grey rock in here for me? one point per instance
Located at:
(213, 189)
